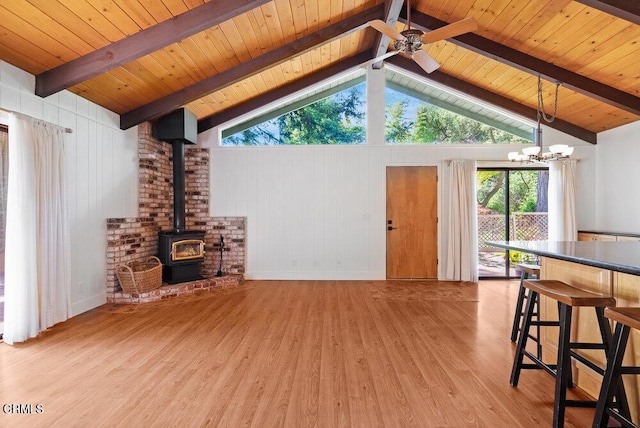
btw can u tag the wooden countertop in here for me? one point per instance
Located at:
(604, 232)
(618, 256)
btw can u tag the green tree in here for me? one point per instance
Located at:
(524, 190)
(333, 120)
(258, 135)
(437, 125)
(542, 202)
(490, 192)
(397, 127)
(428, 127)
(337, 119)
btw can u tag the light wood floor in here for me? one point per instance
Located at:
(297, 353)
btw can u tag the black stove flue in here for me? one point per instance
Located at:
(180, 250)
(178, 187)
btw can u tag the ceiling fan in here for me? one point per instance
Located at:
(412, 42)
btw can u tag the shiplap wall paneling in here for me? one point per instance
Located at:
(316, 211)
(617, 175)
(82, 215)
(101, 170)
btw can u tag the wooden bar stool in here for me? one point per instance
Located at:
(567, 297)
(626, 318)
(527, 270)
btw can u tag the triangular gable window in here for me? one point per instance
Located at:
(332, 114)
(419, 113)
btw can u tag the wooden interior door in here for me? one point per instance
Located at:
(412, 222)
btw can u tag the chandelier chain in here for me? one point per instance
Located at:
(541, 112)
(535, 153)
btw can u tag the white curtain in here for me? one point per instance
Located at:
(562, 201)
(462, 245)
(4, 162)
(37, 285)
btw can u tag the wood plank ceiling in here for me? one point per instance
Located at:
(145, 58)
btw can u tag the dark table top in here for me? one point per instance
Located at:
(619, 256)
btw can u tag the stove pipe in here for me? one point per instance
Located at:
(178, 187)
(178, 128)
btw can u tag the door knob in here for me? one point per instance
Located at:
(391, 228)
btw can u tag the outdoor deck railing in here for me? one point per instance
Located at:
(525, 226)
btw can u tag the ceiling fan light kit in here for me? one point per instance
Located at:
(410, 43)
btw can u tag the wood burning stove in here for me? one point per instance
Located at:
(187, 249)
(181, 254)
(181, 251)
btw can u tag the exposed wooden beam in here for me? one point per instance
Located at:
(492, 98)
(392, 12)
(142, 43)
(281, 92)
(228, 77)
(624, 9)
(532, 65)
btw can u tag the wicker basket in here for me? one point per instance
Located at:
(140, 276)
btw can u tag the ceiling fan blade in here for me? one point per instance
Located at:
(425, 61)
(385, 29)
(464, 26)
(379, 58)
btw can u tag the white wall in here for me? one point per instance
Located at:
(102, 174)
(309, 209)
(319, 212)
(617, 178)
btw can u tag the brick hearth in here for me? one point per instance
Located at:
(134, 238)
(174, 290)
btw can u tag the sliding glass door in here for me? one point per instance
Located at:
(512, 205)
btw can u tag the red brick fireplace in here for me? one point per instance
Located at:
(133, 238)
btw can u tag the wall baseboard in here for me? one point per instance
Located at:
(317, 275)
(85, 305)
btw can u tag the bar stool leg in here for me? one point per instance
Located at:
(570, 383)
(539, 338)
(563, 366)
(607, 339)
(517, 317)
(612, 377)
(522, 339)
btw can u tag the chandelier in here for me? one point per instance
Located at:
(535, 153)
